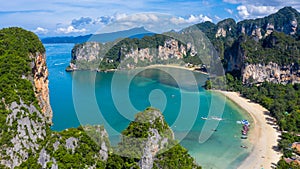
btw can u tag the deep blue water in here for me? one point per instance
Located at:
(112, 99)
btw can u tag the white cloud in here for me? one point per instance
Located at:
(250, 11)
(259, 8)
(233, 1)
(141, 17)
(70, 29)
(217, 18)
(40, 31)
(243, 11)
(154, 22)
(229, 11)
(192, 19)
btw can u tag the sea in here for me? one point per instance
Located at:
(204, 122)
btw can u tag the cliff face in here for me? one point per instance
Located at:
(149, 139)
(88, 51)
(40, 79)
(92, 55)
(156, 140)
(272, 72)
(23, 125)
(262, 49)
(169, 50)
(30, 130)
(285, 20)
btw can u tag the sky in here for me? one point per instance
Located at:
(81, 17)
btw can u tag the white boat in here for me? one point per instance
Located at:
(216, 118)
(204, 118)
(238, 122)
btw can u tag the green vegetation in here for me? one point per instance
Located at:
(16, 49)
(80, 147)
(175, 157)
(237, 50)
(283, 102)
(277, 48)
(111, 54)
(135, 136)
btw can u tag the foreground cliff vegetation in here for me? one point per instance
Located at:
(26, 140)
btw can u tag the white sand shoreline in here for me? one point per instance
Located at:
(264, 135)
(175, 66)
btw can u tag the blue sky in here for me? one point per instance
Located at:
(79, 17)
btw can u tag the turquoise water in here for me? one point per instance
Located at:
(112, 99)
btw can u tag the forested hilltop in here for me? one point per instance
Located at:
(26, 140)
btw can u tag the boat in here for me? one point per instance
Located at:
(216, 118)
(245, 128)
(245, 122)
(244, 137)
(244, 146)
(204, 118)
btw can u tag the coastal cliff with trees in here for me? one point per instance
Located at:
(27, 141)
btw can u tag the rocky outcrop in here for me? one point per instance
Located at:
(30, 130)
(146, 144)
(40, 80)
(221, 33)
(272, 72)
(170, 50)
(155, 141)
(91, 54)
(88, 51)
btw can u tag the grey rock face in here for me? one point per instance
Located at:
(272, 72)
(71, 143)
(43, 158)
(103, 151)
(30, 128)
(154, 143)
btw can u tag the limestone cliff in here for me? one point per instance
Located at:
(27, 129)
(149, 139)
(23, 124)
(26, 140)
(40, 79)
(272, 72)
(129, 54)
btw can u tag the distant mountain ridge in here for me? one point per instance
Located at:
(102, 38)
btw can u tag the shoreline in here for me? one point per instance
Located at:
(193, 69)
(263, 136)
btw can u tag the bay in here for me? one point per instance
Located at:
(112, 99)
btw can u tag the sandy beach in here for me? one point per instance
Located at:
(263, 135)
(175, 66)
